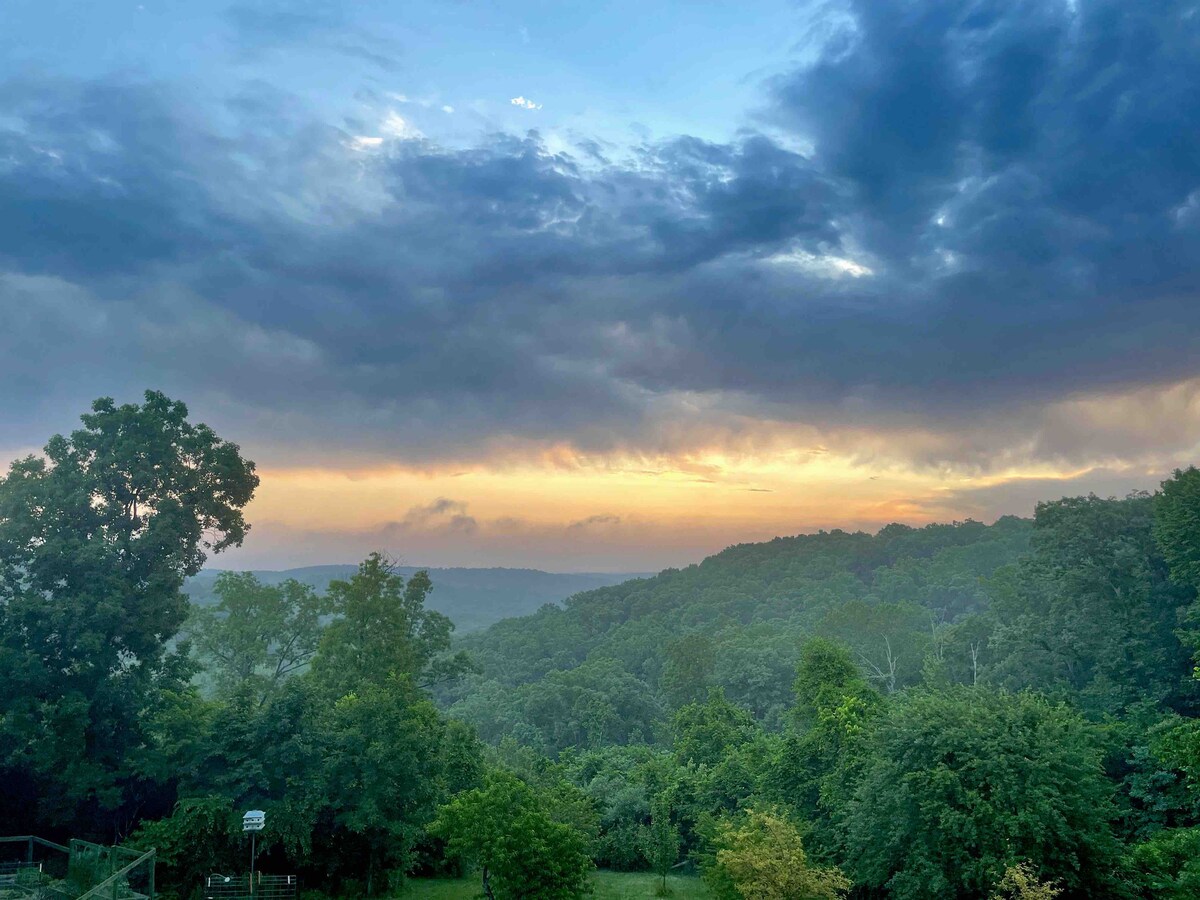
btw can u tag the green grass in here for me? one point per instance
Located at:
(636, 885)
(607, 886)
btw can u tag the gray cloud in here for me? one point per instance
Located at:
(442, 514)
(1020, 179)
(599, 520)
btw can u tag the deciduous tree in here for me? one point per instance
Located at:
(959, 785)
(522, 854)
(763, 858)
(96, 537)
(258, 634)
(660, 842)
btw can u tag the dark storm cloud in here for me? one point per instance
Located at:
(1021, 180)
(96, 176)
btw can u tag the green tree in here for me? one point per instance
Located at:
(382, 629)
(688, 670)
(1093, 611)
(1167, 866)
(96, 537)
(594, 704)
(826, 675)
(201, 836)
(520, 851)
(962, 784)
(660, 842)
(1021, 882)
(707, 732)
(763, 858)
(258, 634)
(1177, 525)
(820, 757)
(381, 747)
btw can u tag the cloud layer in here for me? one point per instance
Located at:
(961, 234)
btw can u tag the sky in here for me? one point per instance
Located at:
(610, 286)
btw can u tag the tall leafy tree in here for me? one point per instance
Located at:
(382, 629)
(688, 671)
(762, 858)
(961, 785)
(1177, 525)
(707, 732)
(381, 750)
(519, 850)
(1093, 611)
(96, 537)
(660, 842)
(258, 634)
(820, 757)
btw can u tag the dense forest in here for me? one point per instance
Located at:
(953, 711)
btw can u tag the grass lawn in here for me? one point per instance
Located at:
(607, 886)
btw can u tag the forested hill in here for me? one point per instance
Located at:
(735, 621)
(472, 598)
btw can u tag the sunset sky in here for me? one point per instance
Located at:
(610, 286)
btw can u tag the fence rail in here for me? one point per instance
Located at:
(116, 886)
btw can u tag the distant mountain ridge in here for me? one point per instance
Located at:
(472, 598)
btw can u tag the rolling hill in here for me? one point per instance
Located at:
(472, 598)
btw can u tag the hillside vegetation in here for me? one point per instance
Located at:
(953, 712)
(472, 598)
(735, 621)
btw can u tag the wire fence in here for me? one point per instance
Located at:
(240, 887)
(35, 869)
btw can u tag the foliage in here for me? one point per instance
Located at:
(688, 671)
(520, 851)
(96, 537)
(1020, 882)
(381, 748)
(382, 629)
(962, 784)
(763, 858)
(735, 622)
(604, 885)
(820, 758)
(257, 634)
(1177, 525)
(595, 704)
(660, 842)
(705, 733)
(202, 835)
(1093, 611)
(1168, 865)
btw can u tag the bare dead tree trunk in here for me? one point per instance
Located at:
(937, 639)
(885, 676)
